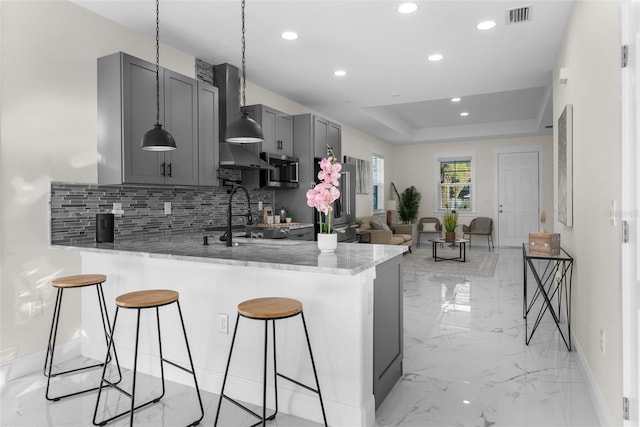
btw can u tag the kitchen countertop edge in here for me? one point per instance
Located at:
(349, 258)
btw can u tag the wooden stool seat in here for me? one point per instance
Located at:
(78, 280)
(146, 299)
(269, 308)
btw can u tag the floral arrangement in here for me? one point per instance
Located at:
(322, 196)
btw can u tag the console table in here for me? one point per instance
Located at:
(552, 274)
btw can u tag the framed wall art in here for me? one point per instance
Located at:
(363, 174)
(565, 166)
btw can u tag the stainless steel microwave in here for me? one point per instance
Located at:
(284, 173)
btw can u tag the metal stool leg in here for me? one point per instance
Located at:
(313, 365)
(193, 370)
(48, 364)
(226, 371)
(135, 370)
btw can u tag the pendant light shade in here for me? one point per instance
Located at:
(157, 139)
(244, 130)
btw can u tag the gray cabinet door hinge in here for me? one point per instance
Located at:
(625, 408)
(624, 57)
(625, 231)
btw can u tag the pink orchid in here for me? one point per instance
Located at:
(322, 196)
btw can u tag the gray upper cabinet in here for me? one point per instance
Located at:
(127, 109)
(208, 141)
(276, 126)
(326, 133)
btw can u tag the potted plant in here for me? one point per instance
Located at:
(322, 196)
(450, 221)
(408, 204)
(288, 216)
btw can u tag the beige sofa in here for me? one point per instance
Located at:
(397, 234)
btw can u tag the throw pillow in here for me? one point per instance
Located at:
(429, 227)
(378, 224)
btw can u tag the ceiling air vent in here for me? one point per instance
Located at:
(518, 14)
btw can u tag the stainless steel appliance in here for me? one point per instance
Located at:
(344, 209)
(284, 173)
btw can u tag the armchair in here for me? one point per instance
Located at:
(480, 226)
(383, 234)
(429, 225)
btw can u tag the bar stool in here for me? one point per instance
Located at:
(62, 283)
(271, 308)
(140, 300)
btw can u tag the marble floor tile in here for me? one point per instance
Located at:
(466, 364)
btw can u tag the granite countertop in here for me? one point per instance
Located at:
(281, 254)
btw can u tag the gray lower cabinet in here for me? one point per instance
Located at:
(127, 109)
(387, 327)
(304, 233)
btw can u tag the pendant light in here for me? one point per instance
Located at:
(244, 130)
(157, 139)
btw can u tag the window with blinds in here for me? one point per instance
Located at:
(456, 186)
(378, 182)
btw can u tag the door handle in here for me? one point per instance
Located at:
(163, 173)
(169, 174)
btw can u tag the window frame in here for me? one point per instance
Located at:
(473, 185)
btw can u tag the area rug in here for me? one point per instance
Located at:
(478, 263)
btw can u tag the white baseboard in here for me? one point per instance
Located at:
(596, 395)
(34, 362)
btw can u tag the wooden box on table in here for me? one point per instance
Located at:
(544, 244)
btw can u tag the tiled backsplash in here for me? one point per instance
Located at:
(74, 208)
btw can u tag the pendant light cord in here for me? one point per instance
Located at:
(157, 61)
(244, 63)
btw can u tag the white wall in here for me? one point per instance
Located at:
(591, 54)
(414, 165)
(49, 132)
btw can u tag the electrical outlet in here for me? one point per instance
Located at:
(223, 323)
(602, 340)
(260, 205)
(117, 209)
(167, 208)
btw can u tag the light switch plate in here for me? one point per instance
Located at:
(167, 208)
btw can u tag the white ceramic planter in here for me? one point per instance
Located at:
(327, 242)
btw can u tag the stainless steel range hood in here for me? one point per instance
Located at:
(232, 155)
(237, 157)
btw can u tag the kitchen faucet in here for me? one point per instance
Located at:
(229, 215)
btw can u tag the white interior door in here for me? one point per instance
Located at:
(518, 197)
(630, 184)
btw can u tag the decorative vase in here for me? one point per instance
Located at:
(450, 236)
(327, 242)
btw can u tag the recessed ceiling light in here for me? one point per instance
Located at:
(340, 73)
(289, 35)
(407, 8)
(464, 114)
(466, 402)
(435, 57)
(455, 99)
(486, 25)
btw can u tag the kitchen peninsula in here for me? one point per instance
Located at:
(352, 301)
